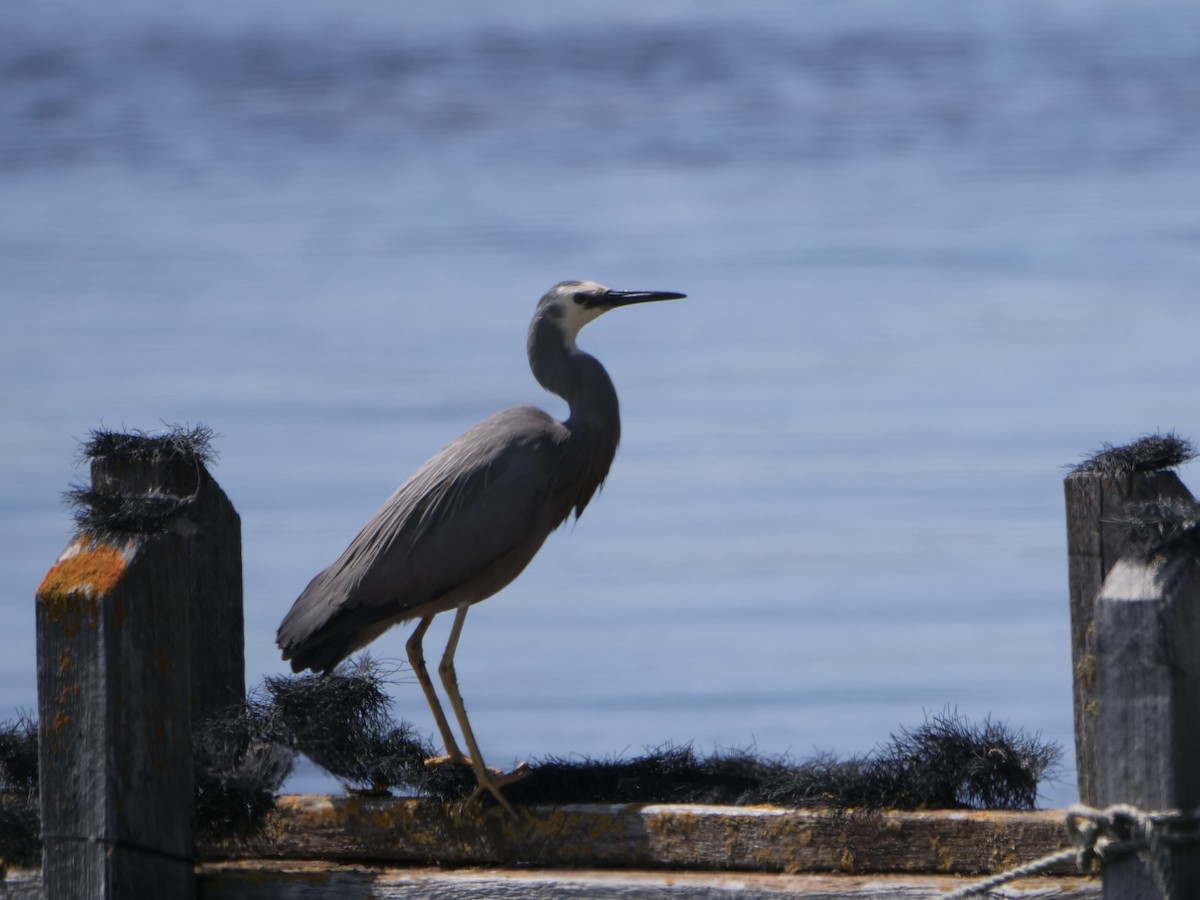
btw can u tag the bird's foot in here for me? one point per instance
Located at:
(487, 779)
(493, 780)
(455, 758)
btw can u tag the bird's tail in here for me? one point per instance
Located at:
(322, 658)
(303, 635)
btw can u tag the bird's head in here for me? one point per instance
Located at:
(572, 304)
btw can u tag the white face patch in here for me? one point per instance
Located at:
(572, 313)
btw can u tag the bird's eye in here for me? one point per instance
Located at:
(580, 299)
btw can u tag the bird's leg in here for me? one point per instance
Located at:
(488, 779)
(416, 659)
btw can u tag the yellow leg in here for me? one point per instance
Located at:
(487, 779)
(416, 659)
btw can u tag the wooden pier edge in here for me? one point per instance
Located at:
(321, 847)
(315, 880)
(325, 881)
(415, 831)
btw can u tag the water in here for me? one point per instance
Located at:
(932, 255)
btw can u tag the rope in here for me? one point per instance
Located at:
(1101, 836)
(1037, 867)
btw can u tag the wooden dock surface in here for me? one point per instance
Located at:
(649, 836)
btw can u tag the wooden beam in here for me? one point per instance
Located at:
(320, 848)
(260, 880)
(649, 836)
(285, 880)
(1094, 544)
(1148, 688)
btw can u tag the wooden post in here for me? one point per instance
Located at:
(1148, 690)
(139, 630)
(114, 720)
(1094, 545)
(213, 532)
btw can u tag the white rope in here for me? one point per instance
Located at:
(1100, 836)
(1037, 867)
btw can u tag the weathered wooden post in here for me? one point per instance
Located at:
(115, 724)
(174, 466)
(115, 619)
(1148, 691)
(1097, 492)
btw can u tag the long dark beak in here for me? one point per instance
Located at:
(613, 299)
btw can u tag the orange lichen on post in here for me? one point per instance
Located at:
(87, 568)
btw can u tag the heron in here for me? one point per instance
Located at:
(471, 518)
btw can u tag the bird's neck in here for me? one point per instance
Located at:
(594, 426)
(563, 369)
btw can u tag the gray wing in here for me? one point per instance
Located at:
(466, 523)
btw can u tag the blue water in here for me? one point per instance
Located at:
(933, 253)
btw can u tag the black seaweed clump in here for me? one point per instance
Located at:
(119, 515)
(1164, 526)
(19, 756)
(947, 763)
(20, 825)
(109, 514)
(668, 774)
(241, 757)
(1152, 453)
(340, 721)
(191, 444)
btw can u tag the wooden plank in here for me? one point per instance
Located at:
(261, 880)
(114, 726)
(1148, 680)
(21, 884)
(648, 836)
(1094, 544)
(685, 851)
(212, 529)
(325, 881)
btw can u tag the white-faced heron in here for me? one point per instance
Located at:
(470, 519)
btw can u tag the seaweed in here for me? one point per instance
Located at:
(241, 757)
(340, 721)
(1151, 453)
(20, 823)
(187, 443)
(1167, 526)
(19, 756)
(114, 515)
(110, 516)
(949, 762)
(946, 763)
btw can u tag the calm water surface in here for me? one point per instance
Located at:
(931, 255)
